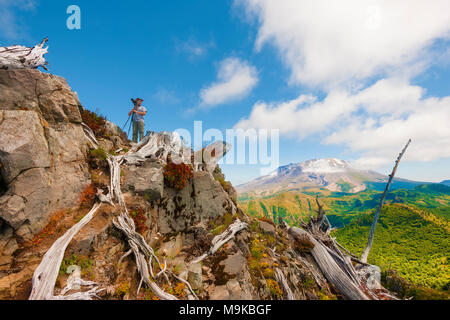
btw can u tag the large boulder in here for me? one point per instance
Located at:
(146, 179)
(201, 200)
(42, 150)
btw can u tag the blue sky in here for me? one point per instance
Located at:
(309, 71)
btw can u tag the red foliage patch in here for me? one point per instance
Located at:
(95, 122)
(88, 196)
(140, 220)
(49, 230)
(177, 176)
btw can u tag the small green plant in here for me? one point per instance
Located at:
(177, 176)
(308, 282)
(218, 230)
(257, 249)
(274, 289)
(322, 294)
(269, 273)
(122, 289)
(83, 262)
(99, 154)
(254, 226)
(149, 295)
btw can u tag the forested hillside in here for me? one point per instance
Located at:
(412, 241)
(412, 236)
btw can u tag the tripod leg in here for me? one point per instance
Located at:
(125, 125)
(129, 128)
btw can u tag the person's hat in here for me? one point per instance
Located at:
(139, 99)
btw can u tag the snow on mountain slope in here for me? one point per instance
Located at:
(333, 174)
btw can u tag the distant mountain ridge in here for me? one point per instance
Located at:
(333, 174)
(446, 182)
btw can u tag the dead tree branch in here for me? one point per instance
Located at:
(20, 57)
(223, 238)
(366, 251)
(45, 275)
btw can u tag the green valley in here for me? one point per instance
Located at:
(412, 235)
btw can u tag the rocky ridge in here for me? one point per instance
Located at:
(51, 176)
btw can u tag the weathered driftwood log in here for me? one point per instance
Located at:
(281, 279)
(143, 254)
(222, 238)
(330, 269)
(366, 251)
(45, 275)
(194, 295)
(105, 198)
(116, 191)
(318, 277)
(160, 146)
(90, 136)
(20, 57)
(207, 158)
(74, 282)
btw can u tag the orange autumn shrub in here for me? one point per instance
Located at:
(177, 176)
(140, 220)
(94, 121)
(48, 230)
(88, 196)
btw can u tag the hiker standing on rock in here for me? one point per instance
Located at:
(138, 113)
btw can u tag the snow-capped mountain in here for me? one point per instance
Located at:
(333, 174)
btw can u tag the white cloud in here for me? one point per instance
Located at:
(375, 122)
(194, 48)
(11, 27)
(340, 47)
(235, 80)
(327, 43)
(166, 96)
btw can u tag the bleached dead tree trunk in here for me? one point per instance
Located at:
(20, 57)
(221, 239)
(89, 134)
(281, 279)
(143, 253)
(45, 275)
(333, 272)
(366, 251)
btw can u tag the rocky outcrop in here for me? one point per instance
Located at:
(203, 199)
(42, 150)
(199, 238)
(146, 180)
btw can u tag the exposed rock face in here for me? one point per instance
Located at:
(267, 227)
(201, 200)
(42, 149)
(146, 180)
